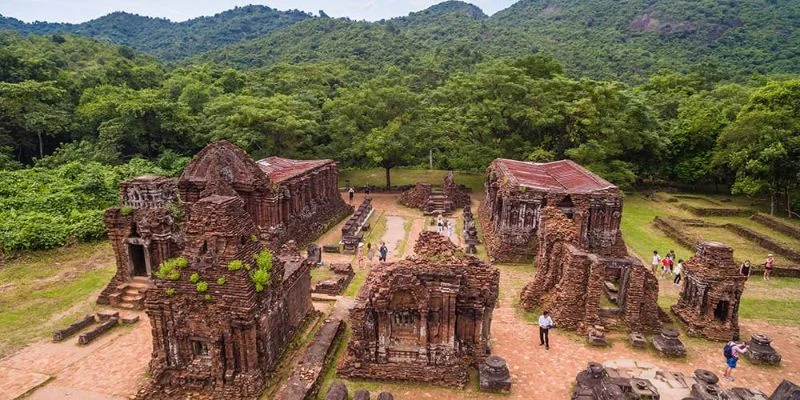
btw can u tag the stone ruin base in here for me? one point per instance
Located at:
(668, 344)
(456, 375)
(343, 274)
(761, 352)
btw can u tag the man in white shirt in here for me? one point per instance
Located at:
(545, 323)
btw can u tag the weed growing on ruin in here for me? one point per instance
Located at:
(208, 297)
(202, 287)
(126, 211)
(235, 265)
(194, 278)
(170, 291)
(263, 272)
(171, 269)
(221, 281)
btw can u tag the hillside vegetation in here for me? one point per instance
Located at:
(602, 39)
(171, 40)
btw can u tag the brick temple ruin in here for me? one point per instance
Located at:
(570, 217)
(426, 318)
(285, 199)
(217, 329)
(709, 301)
(434, 201)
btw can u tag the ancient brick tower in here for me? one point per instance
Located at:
(216, 327)
(570, 218)
(712, 289)
(427, 318)
(285, 199)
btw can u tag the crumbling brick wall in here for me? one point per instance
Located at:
(417, 196)
(564, 268)
(426, 318)
(422, 194)
(712, 289)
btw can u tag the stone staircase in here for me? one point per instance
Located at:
(438, 203)
(130, 295)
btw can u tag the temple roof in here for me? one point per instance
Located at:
(561, 176)
(224, 164)
(280, 169)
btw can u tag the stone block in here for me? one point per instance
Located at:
(494, 375)
(62, 334)
(90, 336)
(130, 320)
(106, 315)
(761, 352)
(361, 394)
(668, 344)
(637, 340)
(786, 390)
(338, 391)
(385, 396)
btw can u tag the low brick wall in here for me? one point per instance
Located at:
(764, 242)
(716, 211)
(777, 224)
(62, 334)
(307, 375)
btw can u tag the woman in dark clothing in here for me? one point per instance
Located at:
(744, 270)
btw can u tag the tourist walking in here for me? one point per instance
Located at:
(439, 223)
(450, 230)
(768, 266)
(656, 261)
(370, 252)
(677, 271)
(360, 255)
(731, 352)
(744, 270)
(545, 324)
(366, 191)
(667, 266)
(671, 255)
(383, 251)
(351, 193)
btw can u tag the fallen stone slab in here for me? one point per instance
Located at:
(62, 334)
(361, 394)
(130, 320)
(88, 337)
(307, 376)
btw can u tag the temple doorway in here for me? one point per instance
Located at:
(137, 259)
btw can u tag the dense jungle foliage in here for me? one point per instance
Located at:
(76, 115)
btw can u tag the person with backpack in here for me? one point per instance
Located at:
(383, 251)
(731, 352)
(656, 261)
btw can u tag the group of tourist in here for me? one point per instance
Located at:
(669, 267)
(444, 227)
(351, 193)
(383, 251)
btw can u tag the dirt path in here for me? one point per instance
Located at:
(395, 233)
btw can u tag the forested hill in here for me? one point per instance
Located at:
(171, 40)
(602, 39)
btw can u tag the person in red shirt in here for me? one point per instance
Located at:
(667, 262)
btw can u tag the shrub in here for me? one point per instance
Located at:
(126, 211)
(221, 281)
(261, 276)
(207, 297)
(170, 291)
(194, 278)
(171, 269)
(235, 265)
(202, 287)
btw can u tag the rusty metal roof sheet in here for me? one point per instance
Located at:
(279, 169)
(561, 176)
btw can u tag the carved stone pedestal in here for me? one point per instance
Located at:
(638, 340)
(494, 375)
(761, 352)
(668, 344)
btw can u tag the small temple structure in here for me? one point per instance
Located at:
(570, 218)
(517, 191)
(709, 301)
(285, 199)
(426, 318)
(436, 201)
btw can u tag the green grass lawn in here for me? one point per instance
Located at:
(640, 235)
(403, 176)
(47, 290)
